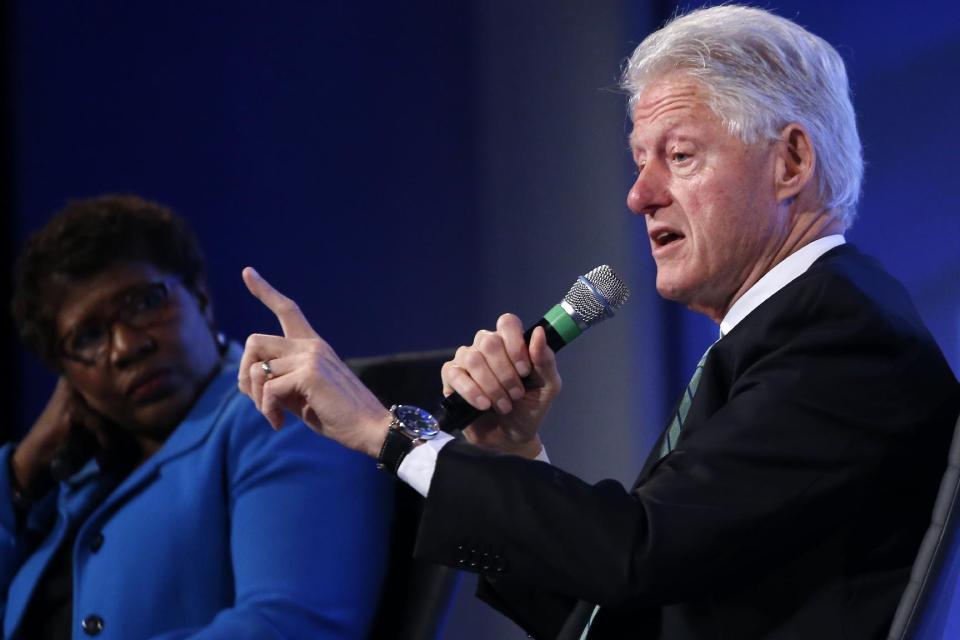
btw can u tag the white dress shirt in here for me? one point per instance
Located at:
(418, 466)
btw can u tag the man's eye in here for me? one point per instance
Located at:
(679, 157)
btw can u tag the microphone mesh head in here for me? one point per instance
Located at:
(596, 295)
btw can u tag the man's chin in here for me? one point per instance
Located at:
(670, 289)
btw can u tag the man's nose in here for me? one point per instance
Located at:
(650, 191)
(127, 344)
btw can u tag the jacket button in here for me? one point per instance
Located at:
(92, 625)
(96, 542)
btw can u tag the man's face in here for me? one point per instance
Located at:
(712, 216)
(154, 346)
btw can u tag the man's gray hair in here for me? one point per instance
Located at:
(764, 72)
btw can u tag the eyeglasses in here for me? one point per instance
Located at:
(138, 307)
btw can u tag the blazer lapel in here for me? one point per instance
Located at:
(53, 521)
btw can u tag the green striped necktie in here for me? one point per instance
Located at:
(676, 425)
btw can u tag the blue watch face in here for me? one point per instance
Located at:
(417, 422)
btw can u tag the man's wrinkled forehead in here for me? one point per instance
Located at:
(669, 100)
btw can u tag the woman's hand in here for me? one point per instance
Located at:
(64, 414)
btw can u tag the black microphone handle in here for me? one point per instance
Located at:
(456, 413)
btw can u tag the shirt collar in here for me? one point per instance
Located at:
(778, 277)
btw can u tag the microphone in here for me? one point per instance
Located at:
(594, 297)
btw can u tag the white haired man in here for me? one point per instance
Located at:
(789, 495)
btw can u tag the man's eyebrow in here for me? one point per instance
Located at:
(674, 132)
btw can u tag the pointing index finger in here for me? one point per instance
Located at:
(292, 321)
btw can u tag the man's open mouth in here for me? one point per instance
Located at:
(663, 238)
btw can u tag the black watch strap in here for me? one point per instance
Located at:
(395, 448)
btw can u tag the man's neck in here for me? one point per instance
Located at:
(782, 274)
(808, 227)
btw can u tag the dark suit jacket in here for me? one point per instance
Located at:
(792, 506)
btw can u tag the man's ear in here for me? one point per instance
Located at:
(796, 162)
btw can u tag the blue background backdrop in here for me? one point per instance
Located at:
(408, 171)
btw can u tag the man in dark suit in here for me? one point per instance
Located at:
(788, 496)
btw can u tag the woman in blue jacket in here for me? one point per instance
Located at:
(150, 499)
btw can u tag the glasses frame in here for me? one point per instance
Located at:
(123, 312)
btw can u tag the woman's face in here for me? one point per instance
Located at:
(137, 345)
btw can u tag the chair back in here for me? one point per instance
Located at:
(930, 606)
(416, 594)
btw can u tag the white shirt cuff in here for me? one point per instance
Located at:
(418, 466)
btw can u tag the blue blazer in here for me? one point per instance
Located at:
(230, 530)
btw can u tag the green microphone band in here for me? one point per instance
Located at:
(562, 323)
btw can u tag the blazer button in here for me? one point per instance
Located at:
(92, 625)
(96, 542)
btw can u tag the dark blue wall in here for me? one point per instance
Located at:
(329, 144)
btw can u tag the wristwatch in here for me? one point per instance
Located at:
(410, 426)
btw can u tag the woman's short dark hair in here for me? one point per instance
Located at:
(87, 237)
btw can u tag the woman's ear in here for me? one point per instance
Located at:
(796, 162)
(204, 303)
